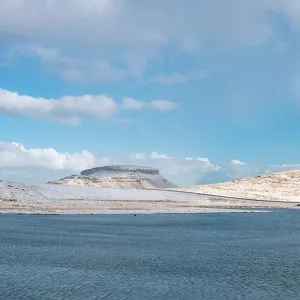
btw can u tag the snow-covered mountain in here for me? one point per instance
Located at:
(127, 177)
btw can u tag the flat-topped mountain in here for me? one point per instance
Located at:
(128, 192)
(118, 176)
(100, 171)
(282, 186)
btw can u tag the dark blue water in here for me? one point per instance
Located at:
(210, 256)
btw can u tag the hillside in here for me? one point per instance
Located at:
(125, 177)
(16, 197)
(272, 186)
(86, 194)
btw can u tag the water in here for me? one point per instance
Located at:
(213, 256)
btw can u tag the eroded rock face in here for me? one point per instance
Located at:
(127, 177)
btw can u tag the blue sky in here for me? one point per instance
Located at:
(204, 90)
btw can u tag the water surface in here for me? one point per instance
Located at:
(201, 256)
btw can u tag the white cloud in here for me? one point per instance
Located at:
(237, 162)
(70, 109)
(155, 155)
(206, 163)
(138, 156)
(245, 22)
(183, 172)
(107, 50)
(189, 158)
(131, 103)
(15, 155)
(203, 159)
(161, 105)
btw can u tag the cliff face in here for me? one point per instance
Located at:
(282, 186)
(126, 177)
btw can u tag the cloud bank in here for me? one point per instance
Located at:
(16, 156)
(72, 109)
(44, 164)
(115, 39)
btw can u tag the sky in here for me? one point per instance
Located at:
(204, 90)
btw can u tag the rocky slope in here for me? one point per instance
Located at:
(126, 177)
(281, 186)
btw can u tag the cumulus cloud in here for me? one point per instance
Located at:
(68, 110)
(206, 163)
(155, 155)
(16, 156)
(163, 105)
(203, 159)
(132, 103)
(181, 171)
(71, 109)
(138, 156)
(237, 162)
(185, 172)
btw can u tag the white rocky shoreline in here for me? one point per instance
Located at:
(26, 198)
(142, 190)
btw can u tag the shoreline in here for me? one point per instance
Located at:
(48, 199)
(35, 210)
(135, 213)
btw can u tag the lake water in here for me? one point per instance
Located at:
(201, 256)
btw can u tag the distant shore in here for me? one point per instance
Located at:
(65, 199)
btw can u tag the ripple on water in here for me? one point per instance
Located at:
(210, 256)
